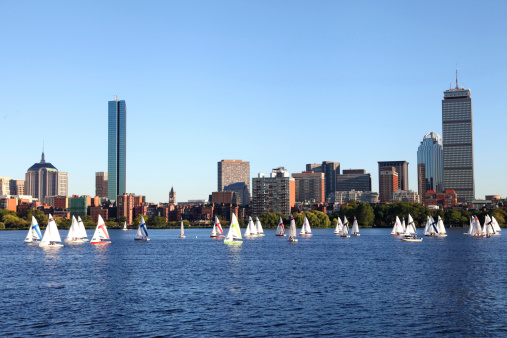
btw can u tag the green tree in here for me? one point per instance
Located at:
(2, 225)
(452, 217)
(137, 219)
(158, 222)
(40, 216)
(365, 214)
(63, 223)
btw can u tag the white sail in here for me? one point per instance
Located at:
(73, 231)
(487, 229)
(339, 226)
(51, 235)
(345, 229)
(182, 230)
(355, 227)
(305, 229)
(125, 226)
(403, 226)
(234, 233)
(477, 231)
(249, 228)
(432, 229)
(292, 228)
(34, 233)
(427, 227)
(142, 231)
(471, 227)
(280, 230)
(441, 227)
(410, 226)
(81, 229)
(258, 226)
(496, 226)
(101, 233)
(397, 228)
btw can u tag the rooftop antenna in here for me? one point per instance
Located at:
(42, 158)
(457, 87)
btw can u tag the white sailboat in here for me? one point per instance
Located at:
(258, 225)
(496, 226)
(125, 226)
(345, 228)
(477, 231)
(250, 231)
(280, 230)
(470, 227)
(403, 226)
(182, 230)
(305, 229)
(431, 227)
(51, 238)
(100, 236)
(81, 230)
(397, 228)
(34, 235)
(488, 229)
(355, 228)
(441, 228)
(73, 236)
(339, 226)
(142, 232)
(292, 230)
(411, 231)
(217, 229)
(234, 233)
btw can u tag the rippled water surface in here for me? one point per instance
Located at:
(371, 285)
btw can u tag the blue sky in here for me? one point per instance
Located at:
(276, 83)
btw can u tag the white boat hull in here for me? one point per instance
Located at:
(412, 239)
(48, 245)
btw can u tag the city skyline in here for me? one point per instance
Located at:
(348, 86)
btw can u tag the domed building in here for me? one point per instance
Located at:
(43, 179)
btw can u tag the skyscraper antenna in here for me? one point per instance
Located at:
(457, 76)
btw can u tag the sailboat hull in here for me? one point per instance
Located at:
(182, 236)
(142, 239)
(47, 245)
(101, 242)
(31, 242)
(281, 235)
(75, 241)
(412, 239)
(233, 242)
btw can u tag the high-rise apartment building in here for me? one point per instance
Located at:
(5, 186)
(401, 168)
(17, 187)
(43, 179)
(430, 164)
(388, 180)
(101, 184)
(125, 207)
(457, 137)
(116, 148)
(276, 193)
(353, 179)
(330, 170)
(233, 171)
(310, 186)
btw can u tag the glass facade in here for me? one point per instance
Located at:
(117, 148)
(457, 137)
(431, 154)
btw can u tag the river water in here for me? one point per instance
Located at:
(374, 285)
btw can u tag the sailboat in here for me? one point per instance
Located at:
(431, 227)
(470, 227)
(73, 236)
(397, 228)
(234, 233)
(280, 230)
(496, 226)
(51, 238)
(355, 228)
(477, 231)
(441, 228)
(182, 231)
(81, 230)
(339, 226)
(305, 229)
(345, 228)
(258, 225)
(100, 236)
(142, 232)
(488, 229)
(292, 230)
(217, 229)
(251, 230)
(33, 236)
(411, 231)
(125, 226)
(403, 226)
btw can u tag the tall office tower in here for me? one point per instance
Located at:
(5, 187)
(402, 170)
(276, 193)
(430, 165)
(116, 148)
(388, 180)
(17, 187)
(457, 137)
(233, 171)
(101, 184)
(330, 170)
(43, 179)
(310, 186)
(353, 179)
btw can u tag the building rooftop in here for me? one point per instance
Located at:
(42, 164)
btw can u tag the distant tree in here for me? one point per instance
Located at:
(137, 219)
(158, 222)
(452, 217)
(40, 216)
(365, 214)
(2, 225)
(63, 223)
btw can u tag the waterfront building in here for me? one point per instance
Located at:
(388, 180)
(276, 193)
(101, 184)
(310, 186)
(5, 186)
(241, 194)
(430, 164)
(233, 171)
(457, 137)
(409, 196)
(17, 187)
(78, 205)
(43, 179)
(341, 197)
(8, 202)
(222, 197)
(125, 207)
(446, 199)
(353, 179)
(116, 148)
(330, 170)
(401, 168)
(96, 211)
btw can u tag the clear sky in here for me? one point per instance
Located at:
(276, 83)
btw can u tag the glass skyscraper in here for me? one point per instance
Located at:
(457, 137)
(117, 148)
(430, 164)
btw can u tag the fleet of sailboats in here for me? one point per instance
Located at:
(100, 236)
(34, 235)
(51, 237)
(280, 230)
(75, 234)
(142, 232)
(234, 233)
